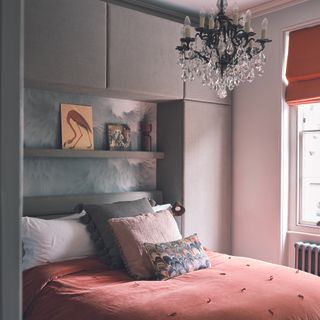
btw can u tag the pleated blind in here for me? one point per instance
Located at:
(303, 66)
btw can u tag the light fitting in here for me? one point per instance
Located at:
(224, 52)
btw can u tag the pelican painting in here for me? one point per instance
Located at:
(76, 127)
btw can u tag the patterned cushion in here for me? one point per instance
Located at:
(175, 258)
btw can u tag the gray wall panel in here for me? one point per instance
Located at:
(207, 174)
(196, 91)
(65, 42)
(73, 176)
(142, 55)
(11, 113)
(196, 138)
(170, 139)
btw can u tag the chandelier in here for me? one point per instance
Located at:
(224, 52)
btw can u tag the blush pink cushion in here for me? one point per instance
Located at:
(132, 232)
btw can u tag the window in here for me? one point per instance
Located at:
(308, 164)
(303, 98)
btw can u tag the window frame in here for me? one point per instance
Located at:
(296, 223)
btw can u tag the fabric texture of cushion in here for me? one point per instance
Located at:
(97, 223)
(131, 234)
(46, 241)
(175, 258)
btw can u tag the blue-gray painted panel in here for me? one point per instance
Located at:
(74, 176)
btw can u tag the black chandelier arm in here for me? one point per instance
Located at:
(262, 43)
(185, 44)
(201, 56)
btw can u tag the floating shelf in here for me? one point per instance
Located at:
(66, 153)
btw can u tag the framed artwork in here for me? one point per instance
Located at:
(76, 127)
(119, 138)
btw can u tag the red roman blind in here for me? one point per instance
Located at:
(303, 66)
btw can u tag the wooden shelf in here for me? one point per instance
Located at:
(96, 154)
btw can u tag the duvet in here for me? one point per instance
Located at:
(234, 288)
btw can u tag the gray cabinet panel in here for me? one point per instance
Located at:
(196, 138)
(170, 140)
(141, 53)
(65, 42)
(207, 174)
(196, 91)
(11, 119)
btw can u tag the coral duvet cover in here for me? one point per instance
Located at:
(234, 288)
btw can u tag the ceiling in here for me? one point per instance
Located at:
(192, 7)
(196, 5)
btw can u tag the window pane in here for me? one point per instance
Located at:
(311, 155)
(311, 116)
(311, 200)
(310, 164)
(310, 178)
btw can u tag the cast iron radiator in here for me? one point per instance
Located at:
(307, 257)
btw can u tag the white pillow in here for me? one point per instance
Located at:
(162, 207)
(54, 240)
(74, 216)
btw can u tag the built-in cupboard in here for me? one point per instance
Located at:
(96, 48)
(83, 44)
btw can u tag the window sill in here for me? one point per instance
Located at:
(305, 229)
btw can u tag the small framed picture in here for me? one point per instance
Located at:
(76, 127)
(119, 138)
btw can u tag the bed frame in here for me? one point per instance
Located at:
(54, 206)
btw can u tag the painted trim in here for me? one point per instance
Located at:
(222, 104)
(274, 5)
(177, 15)
(156, 10)
(284, 155)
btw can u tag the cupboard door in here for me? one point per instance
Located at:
(141, 55)
(207, 174)
(65, 42)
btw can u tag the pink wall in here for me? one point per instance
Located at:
(257, 229)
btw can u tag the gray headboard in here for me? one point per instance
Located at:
(63, 205)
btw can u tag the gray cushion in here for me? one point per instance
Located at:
(97, 223)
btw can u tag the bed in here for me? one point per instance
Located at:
(232, 288)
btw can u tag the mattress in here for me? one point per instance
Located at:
(234, 288)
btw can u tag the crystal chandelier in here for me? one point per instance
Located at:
(224, 52)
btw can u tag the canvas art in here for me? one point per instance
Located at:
(76, 127)
(119, 137)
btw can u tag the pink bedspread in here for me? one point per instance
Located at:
(234, 288)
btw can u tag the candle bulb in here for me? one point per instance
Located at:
(211, 23)
(251, 42)
(242, 20)
(247, 24)
(211, 19)
(235, 13)
(202, 19)
(264, 28)
(187, 27)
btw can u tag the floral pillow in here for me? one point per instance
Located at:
(175, 258)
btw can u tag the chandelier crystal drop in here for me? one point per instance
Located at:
(224, 52)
